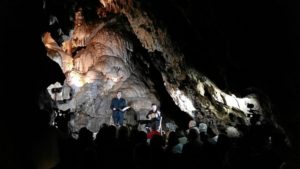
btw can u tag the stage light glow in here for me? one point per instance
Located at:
(75, 79)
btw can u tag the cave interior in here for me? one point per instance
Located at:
(223, 63)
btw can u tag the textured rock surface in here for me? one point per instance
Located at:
(232, 44)
(130, 48)
(99, 70)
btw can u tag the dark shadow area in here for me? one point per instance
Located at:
(168, 106)
(25, 72)
(241, 44)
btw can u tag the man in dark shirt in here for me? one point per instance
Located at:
(154, 117)
(118, 106)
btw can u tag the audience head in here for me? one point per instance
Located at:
(193, 134)
(203, 128)
(192, 123)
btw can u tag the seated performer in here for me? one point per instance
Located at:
(154, 118)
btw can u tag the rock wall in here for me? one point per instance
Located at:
(99, 70)
(105, 60)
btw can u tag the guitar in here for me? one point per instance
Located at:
(151, 116)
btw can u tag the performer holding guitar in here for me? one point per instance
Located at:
(154, 117)
(118, 106)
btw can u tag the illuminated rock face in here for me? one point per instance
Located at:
(105, 66)
(102, 63)
(235, 39)
(101, 69)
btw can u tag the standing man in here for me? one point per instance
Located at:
(118, 106)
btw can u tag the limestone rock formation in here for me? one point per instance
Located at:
(129, 48)
(99, 70)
